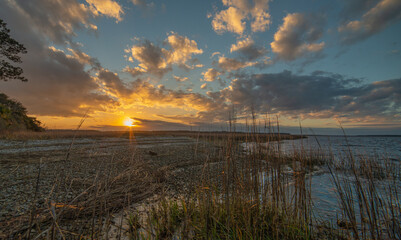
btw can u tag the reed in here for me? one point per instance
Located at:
(368, 192)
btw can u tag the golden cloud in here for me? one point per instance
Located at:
(233, 18)
(210, 75)
(157, 61)
(231, 64)
(108, 8)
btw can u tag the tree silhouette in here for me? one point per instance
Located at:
(9, 50)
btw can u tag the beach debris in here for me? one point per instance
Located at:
(62, 205)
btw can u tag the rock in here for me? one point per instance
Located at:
(151, 153)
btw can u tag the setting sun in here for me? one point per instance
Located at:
(129, 122)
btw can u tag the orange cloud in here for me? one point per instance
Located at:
(182, 48)
(231, 64)
(233, 18)
(158, 61)
(108, 8)
(180, 79)
(210, 75)
(229, 20)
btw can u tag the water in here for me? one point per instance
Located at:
(378, 147)
(325, 201)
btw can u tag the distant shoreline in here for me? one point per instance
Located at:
(188, 131)
(70, 133)
(67, 133)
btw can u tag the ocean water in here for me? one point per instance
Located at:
(378, 147)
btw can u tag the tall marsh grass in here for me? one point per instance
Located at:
(252, 197)
(369, 196)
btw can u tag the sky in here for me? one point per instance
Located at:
(199, 65)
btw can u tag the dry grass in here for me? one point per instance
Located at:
(249, 198)
(369, 197)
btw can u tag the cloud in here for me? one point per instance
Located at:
(136, 71)
(112, 84)
(68, 83)
(207, 108)
(211, 75)
(298, 35)
(142, 124)
(60, 83)
(152, 59)
(151, 95)
(229, 20)
(214, 54)
(233, 18)
(158, 61)
(85, 58)
(248, 49)
(354, 8)
(158, 125)
(108, 8)
(143, 3)
(320, 95)
(182, 49)
(57, 20)
(139, 2)
(262, 20)
(375, 20)
(180, 79)
(232, 64)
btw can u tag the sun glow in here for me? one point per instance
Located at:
(129, 122)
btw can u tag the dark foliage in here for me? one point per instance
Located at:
(9, 50)
(13, 116)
